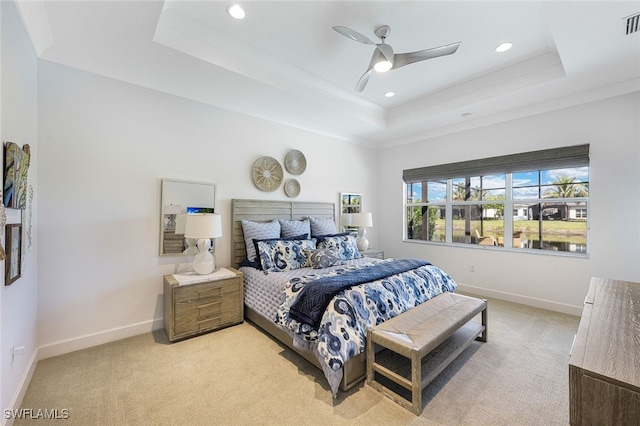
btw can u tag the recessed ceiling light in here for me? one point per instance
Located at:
(503, 47)
(236, 11)
(389, 94)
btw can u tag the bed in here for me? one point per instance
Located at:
(269, 296)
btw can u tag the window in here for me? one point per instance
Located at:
(547, 193)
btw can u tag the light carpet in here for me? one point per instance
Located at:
(239, 375)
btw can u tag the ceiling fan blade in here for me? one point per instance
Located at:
(353, 35)
(402, 59)
(363, 81)
(365, 77)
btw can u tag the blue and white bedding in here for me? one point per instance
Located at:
(342, 330)
(288, 257)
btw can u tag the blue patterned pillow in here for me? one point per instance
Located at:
(291, 228)
(258, 265)
(258, 231)
(323, 258)
(284, 255)
(344, 244)
(322, 226)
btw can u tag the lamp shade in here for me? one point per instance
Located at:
(362, 219)
(346, 219)
(204, 225)
(181, 223)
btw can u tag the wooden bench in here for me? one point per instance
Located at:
(418, 344)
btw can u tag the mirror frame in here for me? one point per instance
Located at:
(183, 194)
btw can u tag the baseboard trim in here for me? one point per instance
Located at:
(523, 300)
(70, 345)
(15, 402)
(89, 340)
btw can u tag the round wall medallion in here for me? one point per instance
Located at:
(295, 162)
(267, 174)
(292, 188)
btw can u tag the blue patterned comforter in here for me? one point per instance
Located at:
(342, 331)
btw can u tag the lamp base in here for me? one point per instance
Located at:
(204, 262)
(191, 246)
(363, 243)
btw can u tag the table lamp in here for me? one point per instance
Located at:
(345, 221)
(203, 227)
(170, 211)
(181, 223)
(362, 220)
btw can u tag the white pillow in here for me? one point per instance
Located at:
(258, 231)
(322, 226)
(292, 228)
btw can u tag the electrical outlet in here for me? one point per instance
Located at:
(16, 350)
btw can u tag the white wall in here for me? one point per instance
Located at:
(18, 123)
(104, 146)
(611, 127)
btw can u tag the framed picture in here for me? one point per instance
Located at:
(16, 168)
(13, 243)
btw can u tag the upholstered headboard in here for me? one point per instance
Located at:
(265, 211)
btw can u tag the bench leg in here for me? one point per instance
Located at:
(484, 335)
(371, 356)
(416, 381)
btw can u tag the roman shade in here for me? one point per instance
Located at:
(547, 159)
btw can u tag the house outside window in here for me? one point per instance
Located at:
(465, 203)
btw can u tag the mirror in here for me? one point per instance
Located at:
(349, 203)
(179, 197)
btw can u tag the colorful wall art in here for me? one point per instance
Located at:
(16, 169)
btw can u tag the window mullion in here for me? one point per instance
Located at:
(508, 211)
(449, 213)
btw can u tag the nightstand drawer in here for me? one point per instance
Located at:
(189, 325)
(199, 291)
(202, 308)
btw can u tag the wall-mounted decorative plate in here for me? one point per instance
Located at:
(267, 174)
(292, 188)
(295, 162)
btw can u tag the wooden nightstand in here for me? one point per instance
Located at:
(379, 254)
(192, 309)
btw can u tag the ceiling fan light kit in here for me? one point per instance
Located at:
(384, 59)
(236, 11)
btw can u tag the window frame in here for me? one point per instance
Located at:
(576, 156)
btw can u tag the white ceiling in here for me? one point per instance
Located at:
(284, 62)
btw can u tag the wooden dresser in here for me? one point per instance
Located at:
(198, 308)
(604, 367)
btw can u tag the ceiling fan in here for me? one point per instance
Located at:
(383, 58)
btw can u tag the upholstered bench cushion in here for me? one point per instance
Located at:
(427, 325)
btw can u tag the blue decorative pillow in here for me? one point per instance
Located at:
(258, 265)
(323, 258)
(344, 244)
(322, 226)
(291, 228)
(258, 231)
(284, 255)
